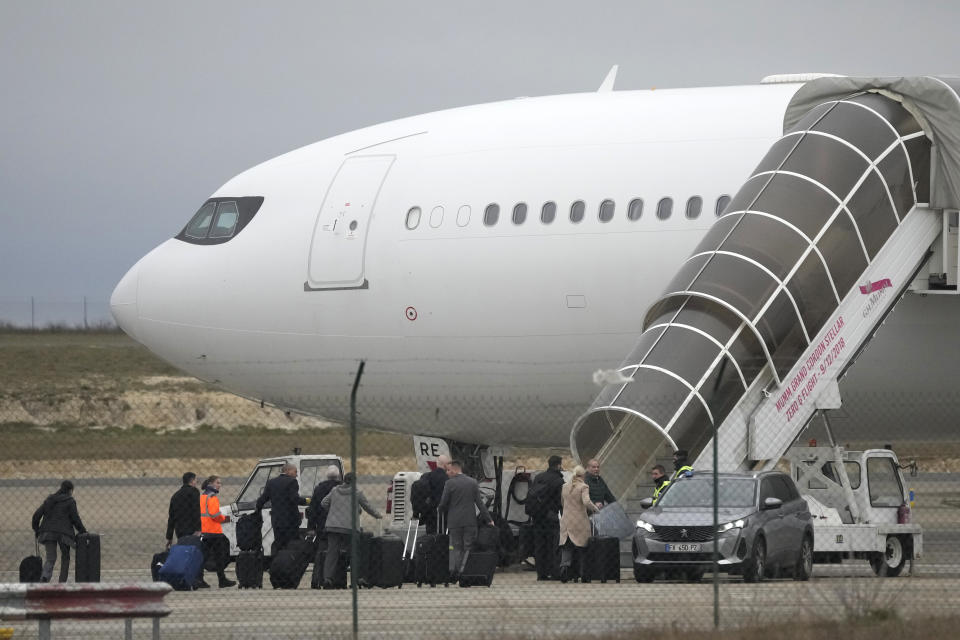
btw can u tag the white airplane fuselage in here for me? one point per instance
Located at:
(480, 333)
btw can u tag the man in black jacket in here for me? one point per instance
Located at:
(53, 524)
(543, 507)
(183, 516)
(283, 494)
(437, 478)
(316, 514)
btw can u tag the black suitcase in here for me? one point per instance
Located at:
(250, 569)
(432, 559)
(289, 565)
(339, 576)
(488, 538)
(601, 560)
(87, 567)
(478, 569)
(249, 536)
(156, 563)
(31, 567)
(384, 562)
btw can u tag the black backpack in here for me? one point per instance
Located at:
(420, 496)
(536, 501)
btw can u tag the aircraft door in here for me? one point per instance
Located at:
(339, 242)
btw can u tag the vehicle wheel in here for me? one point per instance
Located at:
(694, 575)
(755, 567)
(643, 574)
(890, 563)
(804, 567)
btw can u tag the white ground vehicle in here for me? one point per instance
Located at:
(311, 469)
(860, 506)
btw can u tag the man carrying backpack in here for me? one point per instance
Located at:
(543, 507)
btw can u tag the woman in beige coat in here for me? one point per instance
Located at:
(575, 522)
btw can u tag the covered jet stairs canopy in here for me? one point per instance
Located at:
(790, 283)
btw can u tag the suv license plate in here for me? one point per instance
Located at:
(684, 546)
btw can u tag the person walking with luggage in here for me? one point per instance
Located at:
(183, 516)
(283, 495)
(681, 468)
(339, 525)
(215, 544)
(578, 504)
(460, 495)
(316, 514)
(600, 493)
(54, 523)
(543, 505)
(436, 479)
(660, 481)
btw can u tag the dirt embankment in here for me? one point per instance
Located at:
(185, 406)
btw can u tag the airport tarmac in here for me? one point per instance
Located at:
(131, 516)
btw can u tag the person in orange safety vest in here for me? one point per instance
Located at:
(216, 547)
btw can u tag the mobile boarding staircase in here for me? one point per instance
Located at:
(844, 212)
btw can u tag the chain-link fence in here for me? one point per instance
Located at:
(852, 530)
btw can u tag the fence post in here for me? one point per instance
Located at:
(354, 521)
(33, 316)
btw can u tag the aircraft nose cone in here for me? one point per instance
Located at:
(123, 302)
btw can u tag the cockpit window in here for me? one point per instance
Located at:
(227, 217)
(220, 219)
(199, 226)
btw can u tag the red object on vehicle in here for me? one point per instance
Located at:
(903, 514)
(390, 498)
(813, 442)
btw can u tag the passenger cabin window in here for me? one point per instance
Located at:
(491, 214)
(722, 203)
(220, 219)
(694, 206)
(548, 213)
(607, 208)
(463, 216)
(665, 208)
(413, 218)
(519, 213)
(635, 210)
(436, 217)
(576, 211)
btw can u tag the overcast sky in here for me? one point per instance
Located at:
(117, 119)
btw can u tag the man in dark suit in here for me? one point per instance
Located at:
(283, 494)
(437, 478)
(316, 514)
(545, 515)
(460, 501)
(183, 516)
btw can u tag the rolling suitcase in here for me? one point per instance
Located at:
(156, 563)
(250, 569)
(488, 538)
(31, 567)
(249, 536)
(183, 566)
(601, 560)
(431, 560)
(288, 567)
(478, 569)
(87, 566)
(385, 562)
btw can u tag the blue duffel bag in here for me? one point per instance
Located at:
(183, 566)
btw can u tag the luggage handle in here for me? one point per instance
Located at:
(415, 525)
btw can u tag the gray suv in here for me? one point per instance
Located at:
(764, 529)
